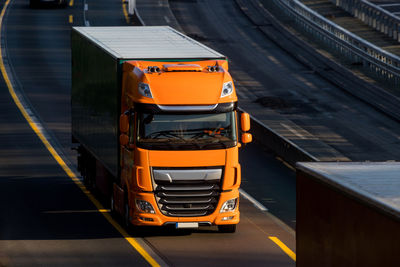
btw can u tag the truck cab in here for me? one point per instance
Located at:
(179, 144)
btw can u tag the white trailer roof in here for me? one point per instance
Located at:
(147, 42)
(377, 183)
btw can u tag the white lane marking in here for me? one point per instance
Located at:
(85, 9)
(293, 131)
(167, 19)
(139, 17)
(252, 200)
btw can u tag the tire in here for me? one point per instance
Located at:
(33, 4)
(227, 228)
(85, 175)
(127, 222)
(88, 179)
(64, 3)
(112, 207)
(89, 175)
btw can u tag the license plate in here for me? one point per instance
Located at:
(183, 225)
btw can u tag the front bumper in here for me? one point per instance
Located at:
(158, 219)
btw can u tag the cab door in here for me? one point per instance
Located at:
(128, 155)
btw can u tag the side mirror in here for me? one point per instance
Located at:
(245, 122)
(124, 123)
(247, 138)
(123, 140)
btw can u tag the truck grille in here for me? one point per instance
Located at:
(187, 193)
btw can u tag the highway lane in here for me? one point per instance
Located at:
(286, 95)
(46, 219)
(38, 65)
(105, 13)
(66, 229)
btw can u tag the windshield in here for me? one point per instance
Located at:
(186, 131)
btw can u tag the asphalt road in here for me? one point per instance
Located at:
(47, 220)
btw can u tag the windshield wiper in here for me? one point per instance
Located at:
(212, 132)
(219, 142)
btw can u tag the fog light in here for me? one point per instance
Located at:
(227, 218)
(144, 206)
(229, 205)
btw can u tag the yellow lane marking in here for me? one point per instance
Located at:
(287, 250)
(71, 19)
(276, 240)
(37, 129)
(71, 2)
(125, 11)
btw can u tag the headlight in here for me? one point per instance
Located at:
(227, 89)
(144, 206)
(144, 90)
(229, 205)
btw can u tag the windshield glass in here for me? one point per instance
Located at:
(186, 131)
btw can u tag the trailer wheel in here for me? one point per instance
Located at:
(88, 179)
(228, 228)
(89, 175)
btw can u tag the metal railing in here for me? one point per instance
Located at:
(373, 15)
(382, 63)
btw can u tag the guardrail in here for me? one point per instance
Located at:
(381, 63)
(373, 15)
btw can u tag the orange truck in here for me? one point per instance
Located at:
(154, 114)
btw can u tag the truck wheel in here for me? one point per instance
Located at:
(32, 4)
(89, 176)
(127, 222)
(112, 202)
(88, 179)
(64, 3)
(85, 179)
(228, 228)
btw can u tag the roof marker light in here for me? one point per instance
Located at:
(151, 69)
(144, 90)
(227, 89)
(215, 68)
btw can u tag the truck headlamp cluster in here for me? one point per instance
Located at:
(144, 90)
(144, 206)
(227, 89)
(229, 205)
